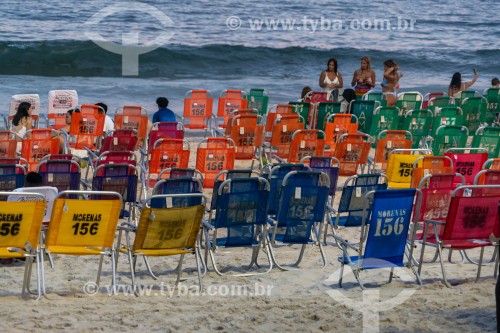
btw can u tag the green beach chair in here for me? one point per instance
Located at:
(258, 99)
(447, 116)
(303, 109)
(449, 137)
(323, 111)
(474, 111)
(418, 123)
(384, 118)
(493, 108)
(488, 137)
(364, 111)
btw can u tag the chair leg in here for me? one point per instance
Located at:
(442, 266)
(200, 277)
(480, 264)
(101, 259)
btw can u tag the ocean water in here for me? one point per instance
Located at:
(280, 46)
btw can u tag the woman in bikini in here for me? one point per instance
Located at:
(457, 86)
(390, 83)
(330, 79)
(363, 79)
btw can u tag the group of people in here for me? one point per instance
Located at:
(364, 80)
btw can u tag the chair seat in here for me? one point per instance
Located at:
(4, 253)
(233, 242)
(162, 252)
(281, 238)
(464, 244)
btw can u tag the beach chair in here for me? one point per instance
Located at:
(374, 96)
(429, 96)
(349, 212)
(20, 233)
(322, 111)
(472, 217)
(493, 108)
(464, 94)
(439, 102)
(363, 110)
(447, 116)
(214, 155)
(326, 164)
(352, 152)
(488, 137)
(418, 123)
(474, 110)
(384, 118)
(172, 130)
(229, 101)
(86, 129)
(258, 99)
(166, 153)
(60, 101)
(37, 143)
(425, 165)
(400, 165)
(122, 178)
(240, 211)
(83, 226)
(12, 174)
(306, 143)
(8, 144)
(467, 161)
(337, 125)
(385, 231)
(34, 111)
(409, 100)
(198, 111)
(281, 138)
(447, 137)
(305, 110)
(487, 177)
(247, 133)
(166, 231)
(301, 212)
(61, 174)
(277, 112)
(492, 164)
(133, 118)
(242, 112)
(387, 141)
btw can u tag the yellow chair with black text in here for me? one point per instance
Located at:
(83, 226)
(169, 225)
(20, 226)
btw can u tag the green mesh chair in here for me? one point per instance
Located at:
(303, 109)
(418, 123)
(409, 101)
(474, 111)
(465, 94)
(447, 116)
(258, 99)
(384, 118)
(364, 110)
(488, 137)
(439, 102)
(449, 137)
(323, 111)
(375, 96)
(493, 108)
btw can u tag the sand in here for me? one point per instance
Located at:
(308, 299)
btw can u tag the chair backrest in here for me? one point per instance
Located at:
(247, 132)
(467, 161)
(275, 178)
(493, 108)
(304, 109)
(352, 199)
(306, 143)
(400, 166)
(229, 101)
(391, 215)
(352, 152)
(167, 153)
(364, 110)
(37, 144)
(323, 110)
(337, 125)
(472, 215)
(173, 130)
(384, 118)
(180, 185)
(241, 205)
(387, 141)
(86, 128)
(60, 101)
(80, 225)
(120, 177)
(487, 177)
(61, 174)
(258, 99)
(11, 176)
(474, 109)
(447, 116)
(429, 96)
(282, 132)
(132, 117)
(326, 164)
(447, 137)
(197, 109)
(214, 155)
(276, 112)
(169, 228)
(418, 123)
(425, 165)
(224, 175)
(488, 137)
(21, 223)
(119, 140)
(8, 144)
(411, 100)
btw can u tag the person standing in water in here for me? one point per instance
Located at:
(390, 83)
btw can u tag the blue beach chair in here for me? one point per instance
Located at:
(301, 212)
(384, 234)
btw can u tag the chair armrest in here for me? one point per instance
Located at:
(434, 222)
(346, 243)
